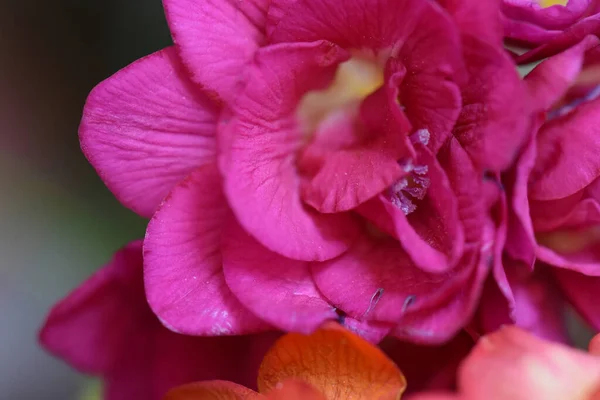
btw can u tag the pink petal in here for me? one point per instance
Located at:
(277, 289)
(595, 345)
(520, 240)
(145, 128)
(572, 211)
(419, 33)
(350, 176)
(454, 302)
(511, 364)
(582, 291)
(538, 307)
(347, 24)
(585, 261)
(431, 102)
(563, 143)
(476, 18)
(105, 327)
(493, 122)
(183, 273)
(432, 235)
(258, 156)
(375, 280)
(564, 40)
(217, 39)
(551, 79)
(87, 327)
(372, 331)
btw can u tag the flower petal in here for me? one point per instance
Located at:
(145, 128)
(294, 390)
(106, 328)
(336, 362)
(595, 345)
(565, 142)
(551, 79)
(493, 122)
(217, 39)
(512, 364)
(432, 234)
(350, 176)
(258, 156)
(213, 390)
(582, 292)
(86, 327)
(374, 280)
(277, 289)
(585, 260)
(564, 40)
(185, 285)
(442, 315)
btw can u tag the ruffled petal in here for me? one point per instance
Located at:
(277, 289)
(213, 390)
(375, 280)
(87, 327)
(551, 79)
(442, 315)
(350, 176)
(217, 39)
(295, 390)
(493, 122)
(512, 364)
(563, 143)
(582, 292)
(585, 260)
(145, 128)
(106, 328)
(334, 361)
(183, 273)
(564, 40)
(260, 142)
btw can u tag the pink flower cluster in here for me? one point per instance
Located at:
(376, 162)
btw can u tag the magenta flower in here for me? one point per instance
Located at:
(310, 159)
(554, 213)
(106, 328)
(536, 22)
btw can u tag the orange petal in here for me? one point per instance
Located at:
(293, 389)
(213, 390)
(338, 363)
(595, 345)
(512, 364)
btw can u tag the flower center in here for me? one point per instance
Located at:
(550, 3)
(414, 186)
(354, 80)
(570, 241)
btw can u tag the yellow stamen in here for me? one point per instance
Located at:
(355, 79)
(550, 3)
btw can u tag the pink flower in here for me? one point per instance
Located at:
(554, 204)
(106, 328)
(306, 159)
(536, 22)
(514, 365)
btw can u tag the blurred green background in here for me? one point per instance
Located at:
(58, 221)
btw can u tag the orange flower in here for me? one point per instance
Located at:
(511, 364)
(330, 364)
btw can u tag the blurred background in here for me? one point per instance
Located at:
(58, 221)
